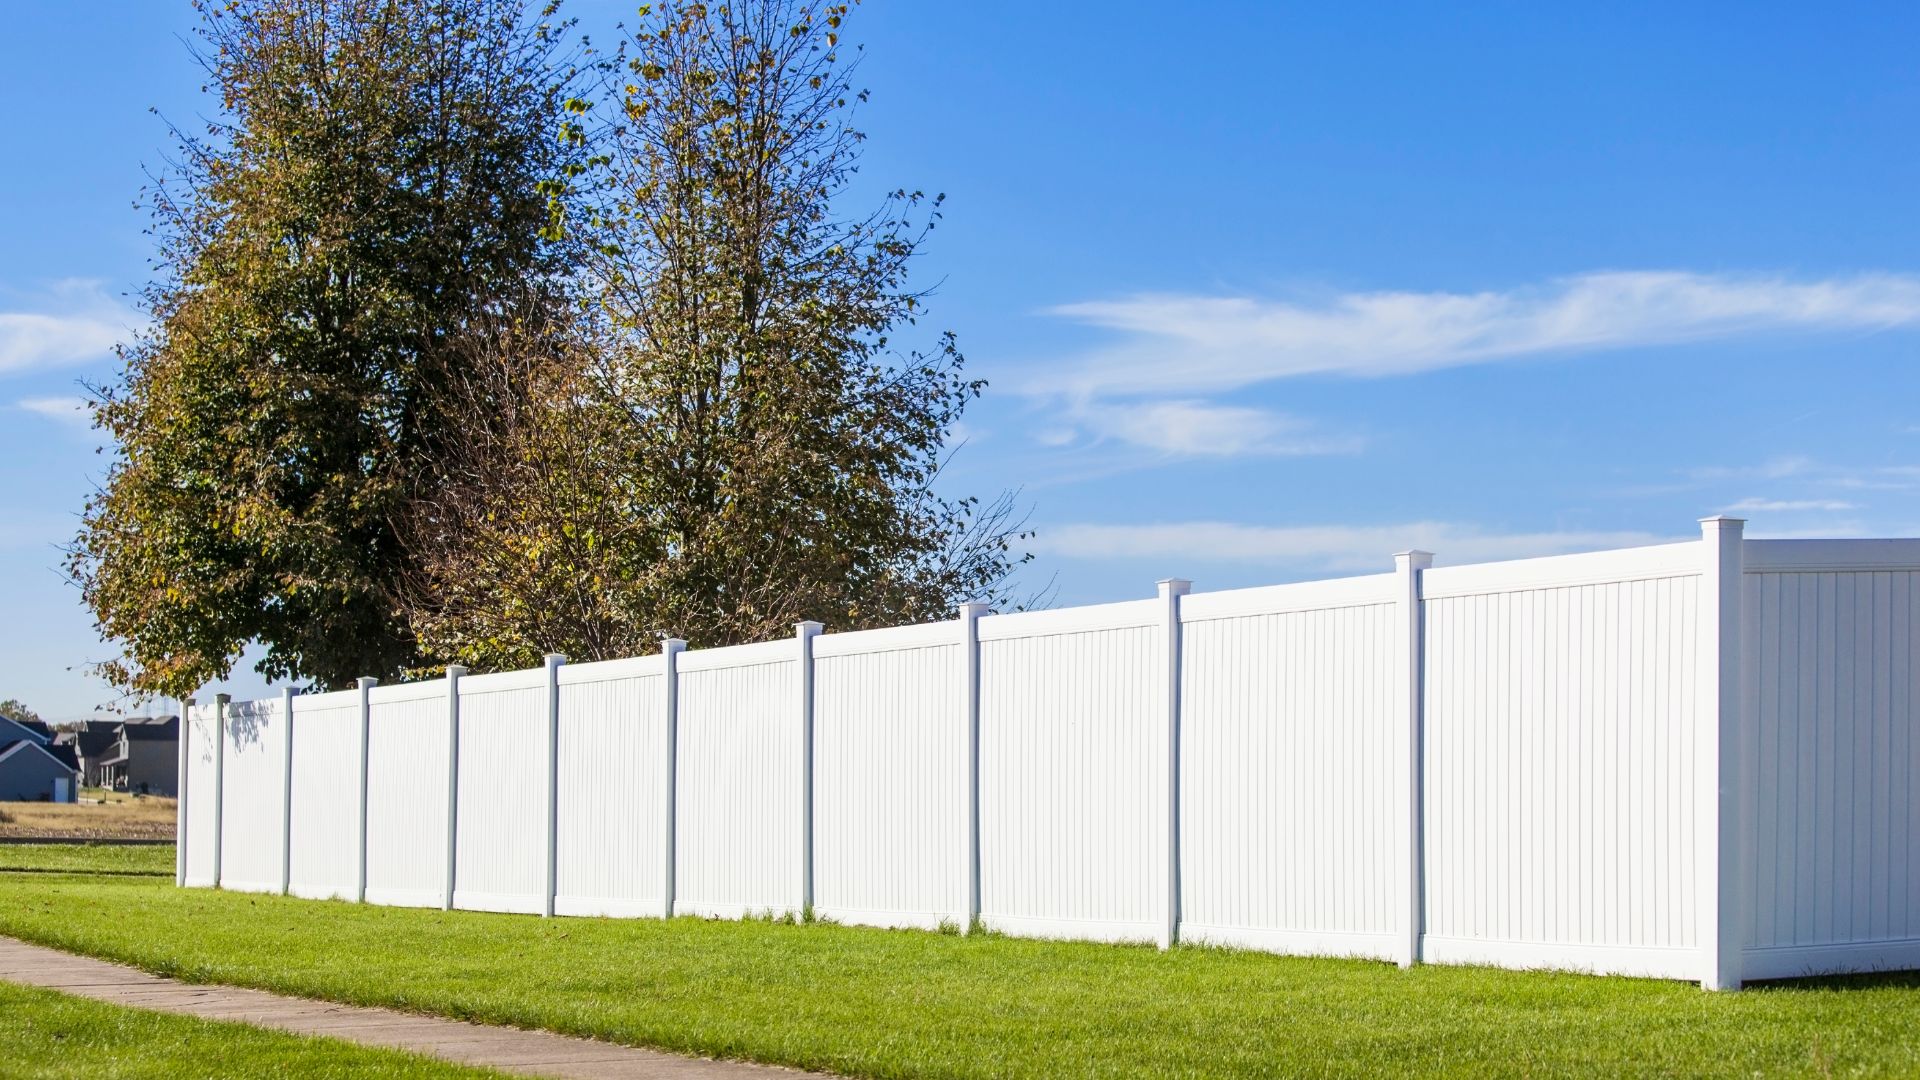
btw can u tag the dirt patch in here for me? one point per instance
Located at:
(144, 818)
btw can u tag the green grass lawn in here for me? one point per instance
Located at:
(47, 1034)
(151, 860)
(897, 1003)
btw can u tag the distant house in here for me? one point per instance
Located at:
(93, 742)
(32, 769)
(144, 756)
(35, 727)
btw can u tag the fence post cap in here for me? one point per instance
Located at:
(807, 627)
(553, 659)
(366, 682)
(1721, 521)
(222, 699)
(1178, 586)
(1413, 557)
(673, 645)
(973, 609)
(454, 671)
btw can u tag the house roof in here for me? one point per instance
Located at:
(64, 755)
(36, 749)
(93, 740)
(156, 728)
(12, 730)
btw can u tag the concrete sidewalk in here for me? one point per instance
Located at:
(535, 1053)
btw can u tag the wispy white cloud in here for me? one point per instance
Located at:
(1188, 427)
(65, 410)
(71, 322)
(1187, 344)
(1787, 506)
(1320, 547)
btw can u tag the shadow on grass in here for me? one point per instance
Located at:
(1873, 980)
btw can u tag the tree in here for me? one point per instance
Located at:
(12, 709)
(370, 193)
(735, 442)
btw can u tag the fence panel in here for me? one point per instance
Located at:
(1072, 772)
(739, 762)
(1292, 810)
(501, 846)
(611, 827)
(890, 767)
(1833, 693)
(1568, 807)
(200, 833)
(253, 770)
(1560, 780)
(326, 781)
(407, 782)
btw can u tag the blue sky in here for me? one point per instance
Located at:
(1264, 292)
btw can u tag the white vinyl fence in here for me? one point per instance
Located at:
(1696, 761)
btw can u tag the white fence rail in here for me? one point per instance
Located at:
(1696, 760)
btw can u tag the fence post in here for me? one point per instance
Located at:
(552, 662)
(286, 791)
(970, 614)
(454, 672)
(1723, 909)
(1409, 695)
(804, 633)
(180, 831)
(220, 703)
(1171, 590)
(366, 685)
(670, 650)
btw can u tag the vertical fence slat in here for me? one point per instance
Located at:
(804, 633)
(670, 651)
(1722, 933)
(180, 829)
(1408, 700)
(286, 791)
(1170, 592)
(220, 704)
(451, 875)
(366, 685)
(969, 909)
(551, 889)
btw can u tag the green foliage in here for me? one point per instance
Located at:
(12, 709)
(369, 189)
(731, 441)
(451, 362)
(896, 1003)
